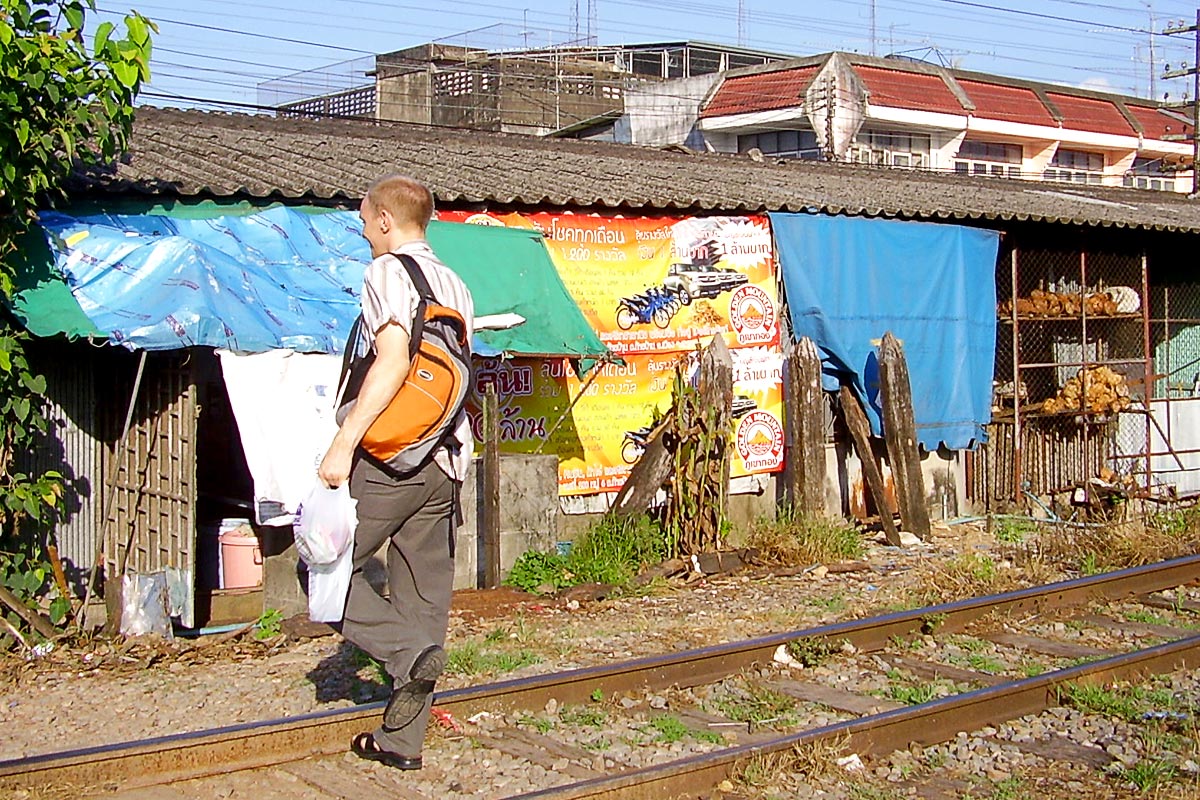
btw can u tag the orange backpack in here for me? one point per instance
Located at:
(421, 416)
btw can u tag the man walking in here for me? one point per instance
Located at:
(414, 513)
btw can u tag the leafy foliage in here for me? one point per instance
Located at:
(66, 102)
(535, 571)
(63, 104)
(611, 551)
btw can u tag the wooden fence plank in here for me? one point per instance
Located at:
(900, 432)
(806, 428)
(860, 432)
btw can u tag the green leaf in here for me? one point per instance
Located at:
(31, 583)
(22, 127)
(35, 383)
(137, 29)
(59, 608)
(126, 72)
(74, 14)
(21, 408)
(104, 30)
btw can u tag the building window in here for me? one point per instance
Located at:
(649, 63)
(1148, 173)
(997, 159)
(783, 144)
(1075, 166)
(703, 62)
(737, 60)
(891, 149)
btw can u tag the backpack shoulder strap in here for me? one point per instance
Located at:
(351, 346)
(424, 292)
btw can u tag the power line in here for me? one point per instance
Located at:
(793, 19)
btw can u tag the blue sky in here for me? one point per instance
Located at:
(221, 50)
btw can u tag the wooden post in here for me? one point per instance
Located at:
(654, 467)
(806, 428)
(491, 488)
(899, 429)
(31, 617)
(860, 432)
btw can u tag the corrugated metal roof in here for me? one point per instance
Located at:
(761, 92)
(904, 89)
(199, 154)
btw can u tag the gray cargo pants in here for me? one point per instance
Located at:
(416, 514)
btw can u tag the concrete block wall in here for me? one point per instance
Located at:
(528, 514)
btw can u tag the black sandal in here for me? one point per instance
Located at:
(364, 746)
(408, 700)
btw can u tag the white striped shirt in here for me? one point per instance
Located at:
(389, 296)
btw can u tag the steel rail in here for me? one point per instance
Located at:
(878, 734)
(260, 744)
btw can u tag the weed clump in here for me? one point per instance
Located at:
(611, 551)
(797, 537)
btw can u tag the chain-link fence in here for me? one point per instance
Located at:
(1071, 375)
(1171, 432)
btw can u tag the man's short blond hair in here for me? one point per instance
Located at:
(407, 200)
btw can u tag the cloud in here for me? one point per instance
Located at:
(1098, 83)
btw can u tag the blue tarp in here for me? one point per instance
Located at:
(287, 279)
(850, 280)
(277, 279)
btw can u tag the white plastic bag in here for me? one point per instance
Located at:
(145, 605)
(324, 524)
(328, 587)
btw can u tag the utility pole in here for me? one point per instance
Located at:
(873, 48)
(1194, 72)
(1150, 43)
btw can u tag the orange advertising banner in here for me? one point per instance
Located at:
(603, 435)
(654, 289)
(654, 284)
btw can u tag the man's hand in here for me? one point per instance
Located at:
(380, 385)
(335, 466)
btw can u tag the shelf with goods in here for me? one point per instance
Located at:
(1072, 359)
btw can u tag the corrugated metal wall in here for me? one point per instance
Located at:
(73, 446)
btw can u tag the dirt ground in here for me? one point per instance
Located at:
(74, 695)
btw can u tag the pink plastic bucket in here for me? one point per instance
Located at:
(241, 559)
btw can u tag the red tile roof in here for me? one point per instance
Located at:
(1007, 103)
(761, 92)
(914, 90)
(1089, 114)
(1156, 124)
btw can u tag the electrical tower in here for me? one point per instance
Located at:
(741, 22)
(1194, 72)
(593, 22)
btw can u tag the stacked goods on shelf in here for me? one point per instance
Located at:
(1096, 390)
(1057, 304)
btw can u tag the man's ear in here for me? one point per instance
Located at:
(385, 220)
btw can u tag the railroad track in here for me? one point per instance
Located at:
(696, 730)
